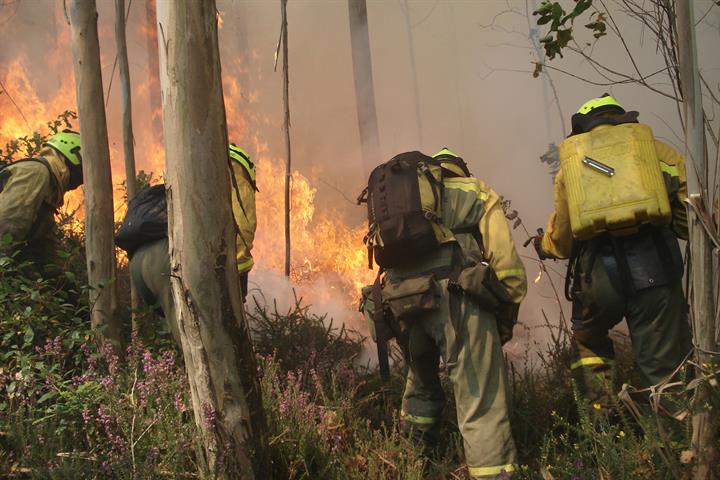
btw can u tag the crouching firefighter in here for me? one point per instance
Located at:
(618, 210)
(144, 236)
(450, 285)
(31, 191)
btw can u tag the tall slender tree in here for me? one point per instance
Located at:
(99, 244)
(364, 90)
(286, 127)
(705, 423)
(127, 124)
(216, 346)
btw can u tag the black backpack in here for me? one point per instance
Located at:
(145, 221)
(404, 201)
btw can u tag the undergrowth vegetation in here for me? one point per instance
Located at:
(71, 408)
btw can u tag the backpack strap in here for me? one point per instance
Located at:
(455, 300)
(53, 180)
(475, 232)
(382, 330)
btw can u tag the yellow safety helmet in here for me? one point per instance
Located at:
(67, 143)
(445, 152)
(602, 104)
(241, 156)
(450, 159)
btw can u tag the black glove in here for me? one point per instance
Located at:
(244, 285)
(507, 314)
(537, 244)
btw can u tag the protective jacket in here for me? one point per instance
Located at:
(30, 193)
(637, 277)
(478, 372)
(243, 205)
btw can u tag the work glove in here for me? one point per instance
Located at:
(507, 314)
(537, 244)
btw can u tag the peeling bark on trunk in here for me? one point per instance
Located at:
(218, 355)
(99, 242)
(364, 91)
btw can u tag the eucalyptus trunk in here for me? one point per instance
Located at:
(364, 90)
(218, 354)
(98, 190)
(703, 313)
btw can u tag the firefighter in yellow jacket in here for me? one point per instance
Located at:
(243, 205)
(150, 263)
(470, 343)
(636, 276)
(32, 189)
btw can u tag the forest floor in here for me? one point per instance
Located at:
(72, 409)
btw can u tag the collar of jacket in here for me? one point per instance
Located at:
(59, 170)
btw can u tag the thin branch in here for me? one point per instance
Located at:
(5, 90)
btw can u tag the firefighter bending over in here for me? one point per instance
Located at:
(31, 191)
(451, 288)
(144, 235)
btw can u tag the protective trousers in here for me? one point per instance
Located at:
(478, 378)
(150, 273)
(656, 318)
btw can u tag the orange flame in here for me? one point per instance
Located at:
(322, 244)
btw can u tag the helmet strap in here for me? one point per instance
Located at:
(76, 175)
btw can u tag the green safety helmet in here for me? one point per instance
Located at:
(67, 143)
(241, 156)
(606, 103)
(445, 152)
(452, 158)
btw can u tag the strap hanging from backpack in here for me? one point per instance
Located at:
(381, 329)
(455, 300)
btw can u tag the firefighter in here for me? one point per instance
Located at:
(635, 275)
(31, 191)
(243, 205)
(466, 333)
(148, 248)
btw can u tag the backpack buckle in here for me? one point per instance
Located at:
(454, 287)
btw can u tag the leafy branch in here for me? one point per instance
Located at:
(561, 25)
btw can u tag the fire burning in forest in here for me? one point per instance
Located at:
(323, 246)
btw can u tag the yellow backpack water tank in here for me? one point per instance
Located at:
(613, 181)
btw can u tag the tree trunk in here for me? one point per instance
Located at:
(413, 72)
(127, 126)
(216, 345)
(99, 243)
(286, 126)
(702, 301)
(364, 91)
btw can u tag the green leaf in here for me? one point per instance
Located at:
(46, 397)
(557, 12)
(29, 335)
(563, 37)
(537, 70)
(544, 20)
